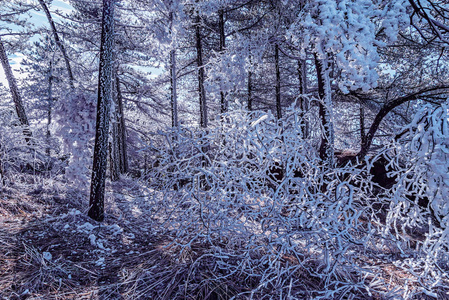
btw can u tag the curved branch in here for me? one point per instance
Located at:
(388, 107)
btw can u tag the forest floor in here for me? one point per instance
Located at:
(50, 249)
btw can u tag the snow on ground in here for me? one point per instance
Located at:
(50, 249)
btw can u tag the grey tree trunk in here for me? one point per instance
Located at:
(58, 42)
(96, 209)
(325, 112)
(199, 61)
(278, 82)
(14, 89)
(221, 25)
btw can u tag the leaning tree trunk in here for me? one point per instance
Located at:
(199, 61)
(278, 82)
(14, 89)
(325, 112)
(58, 42)
(96, 209)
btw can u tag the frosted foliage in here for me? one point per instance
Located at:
(255, 192)
(75, 126)
(395, 17)
(228, 69)
(346, 31)
(421, 194)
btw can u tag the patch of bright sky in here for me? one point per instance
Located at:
(37, 18)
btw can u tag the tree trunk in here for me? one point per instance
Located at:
(173, 88)
(303, 103)
(121, 129)
(250, 91)
(96, 209)
(221, 25)
(114, 144)
(278, 82)
(50, 106)
(250, 82)
(325, 112)
(388, 107)
(199, 61)
(17, 99)
(58, 42)
(362, 124)
(173, 92)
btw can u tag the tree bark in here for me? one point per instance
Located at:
(221, 25)
(173, 81)
(199, 61)
(250, 83)
(96, 209)
(278, 82)
(304, 103)
(58, 42)
(362, 123)
(250, 91)
(50, 106)
(14, 89)
(121, 129)
(173, 92)
(325, 107)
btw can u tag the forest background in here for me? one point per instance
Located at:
(181, 149)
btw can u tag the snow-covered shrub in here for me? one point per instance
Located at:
(253, 191)
(420, 198)
(75, 126)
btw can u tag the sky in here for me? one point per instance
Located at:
(38, 18)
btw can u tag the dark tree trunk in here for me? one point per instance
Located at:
(173, 88)
(50, 106)
(96, 209)
(199, 61)
(250, 83)
(388, 107)
(303, 103)
(221, 26)
(14, 89)
(121, 130)
(114, 144)
(362, 124)
(173, 92)
(250, 91)
(278, 82)
(325, 105)
(58, 42)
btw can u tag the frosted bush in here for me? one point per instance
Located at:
(254, 190)
(75, 126)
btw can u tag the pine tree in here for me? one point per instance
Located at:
(96, 209)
